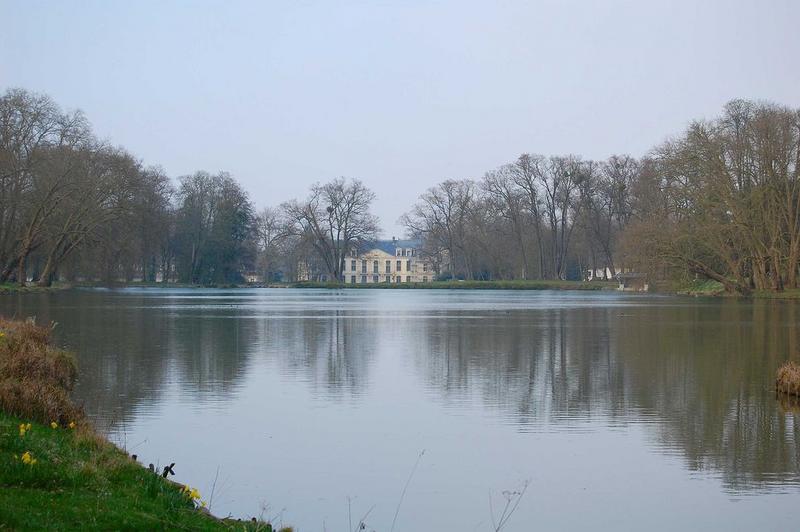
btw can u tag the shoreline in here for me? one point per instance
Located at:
(58, 473)
(709, 289)
(435, 285)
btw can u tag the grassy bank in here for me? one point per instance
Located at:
(470, 285)
(707, 287)
(697, 287)
(14, 288)
(56, 473)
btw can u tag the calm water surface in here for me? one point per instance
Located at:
(623, 412)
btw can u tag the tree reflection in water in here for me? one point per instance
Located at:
(698, 374)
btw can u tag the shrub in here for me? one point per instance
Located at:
(35, 378)
(788, 380)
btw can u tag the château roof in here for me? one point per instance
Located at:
(389, 246)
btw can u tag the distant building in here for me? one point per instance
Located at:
(384, 261)
(603, 274)
(633, 282)
(388, 261)
(253, 278)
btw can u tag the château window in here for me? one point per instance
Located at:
(353, 265)
(353, 278)
(364, 278)
(408, 265)
(375, 278)
(424, 266)
(374, 266)
(399, 265)
(408, 278)
(388, 266)
(363, 266)
(424, 278)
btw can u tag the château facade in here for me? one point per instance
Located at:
(385, 261)
(388, 261)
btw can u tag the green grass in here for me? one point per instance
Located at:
(708, 287)
(700, 287)
(82, 482)
(471, 285)
(14, 288)
(79, 480)
(789, 293)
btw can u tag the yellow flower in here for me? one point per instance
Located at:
(193, 493)
(202, 504)
(28, 426)
(72, 424)
(53, 425)
(22, 430)
(27, 458)
(2, 335)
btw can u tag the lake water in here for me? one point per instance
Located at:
(312, 407)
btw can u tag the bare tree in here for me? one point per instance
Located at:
(560, 182)
(527, 172)
(508, 199)
(36, 138)
(337, 218)
(271, 231)
(442, 216)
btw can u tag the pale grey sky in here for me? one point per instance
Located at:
(399, 94)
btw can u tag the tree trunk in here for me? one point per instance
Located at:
(730, 286)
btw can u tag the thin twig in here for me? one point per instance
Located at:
(513, 499)
(349, 515)
(213, 487)
(403, 494)
(361, 524)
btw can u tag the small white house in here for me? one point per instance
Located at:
(632, 282)
(253, 278)
(603, 274)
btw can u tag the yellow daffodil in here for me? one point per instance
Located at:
(53, 425)
(27, 458)
(193, 493)
(72, 424)
(22, 430)
(28, 426)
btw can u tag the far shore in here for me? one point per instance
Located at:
(698, 288)
(435, 285)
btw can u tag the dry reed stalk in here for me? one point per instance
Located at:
(35, 378)
(788, 379)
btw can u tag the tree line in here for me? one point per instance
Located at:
(720, 201)
(72, 206)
